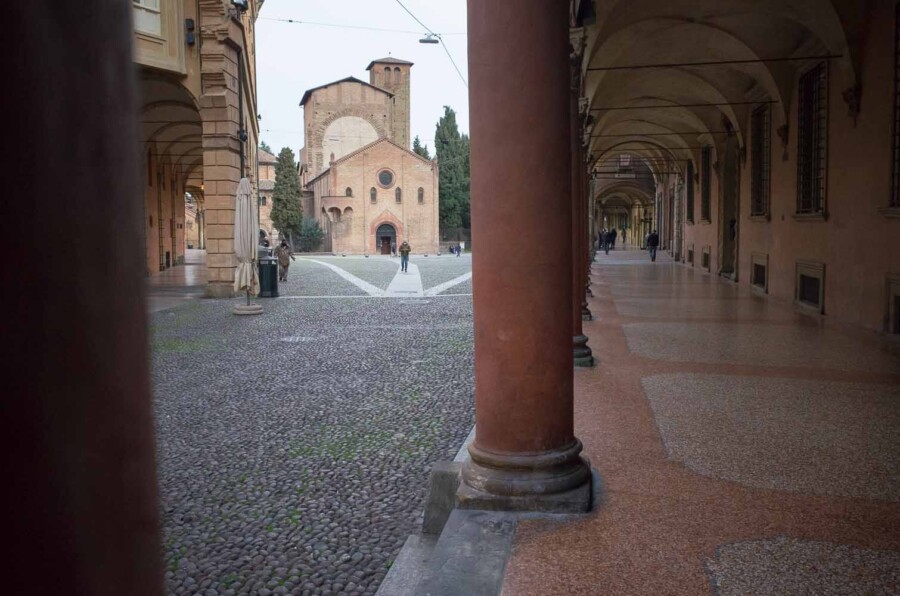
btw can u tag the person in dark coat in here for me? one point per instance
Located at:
(613, 234)
(653, 244)
(405, 249)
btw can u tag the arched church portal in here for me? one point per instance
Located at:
(385, 236)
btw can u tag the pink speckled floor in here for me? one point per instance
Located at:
(800, 493)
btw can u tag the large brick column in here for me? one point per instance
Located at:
(219, 110)
(525, 455)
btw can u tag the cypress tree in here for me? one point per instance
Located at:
(420, 149)
(452, 151)
(287, 216)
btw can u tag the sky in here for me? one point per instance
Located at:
(291, 58)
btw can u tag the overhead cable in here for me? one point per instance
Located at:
(340, 26)
(438, 36)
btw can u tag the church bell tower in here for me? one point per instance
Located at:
(392, 74)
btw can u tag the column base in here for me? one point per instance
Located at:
(219, 290)
(554, 481)
(586, 314)
(247, 309)
(583, 356)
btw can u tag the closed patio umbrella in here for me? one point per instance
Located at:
(246, 224)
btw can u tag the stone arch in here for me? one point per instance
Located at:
(762, 26)
(742, 35)
(385, 217)
(317, 134)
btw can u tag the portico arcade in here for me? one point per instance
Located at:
(821, 194)
(198, 125)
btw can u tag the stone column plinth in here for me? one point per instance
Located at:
(525, 455)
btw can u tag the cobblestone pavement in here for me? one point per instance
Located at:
(437, 270)
(294, 447)
(377, 270)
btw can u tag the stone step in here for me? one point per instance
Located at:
(470, 556)
(409, 567)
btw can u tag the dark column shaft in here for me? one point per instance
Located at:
(580, 350)
(79, 489)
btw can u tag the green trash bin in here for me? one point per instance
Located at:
(268, 277)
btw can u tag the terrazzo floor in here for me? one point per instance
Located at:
(742, 448)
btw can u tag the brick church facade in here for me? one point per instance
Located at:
(362, 184)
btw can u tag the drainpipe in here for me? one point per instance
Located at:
(242, 133)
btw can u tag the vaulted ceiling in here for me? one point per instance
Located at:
(171, 126)
(704, 66)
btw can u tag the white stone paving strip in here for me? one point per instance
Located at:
(408, 285)
(364, 297)
(362, 285)
(448, 284)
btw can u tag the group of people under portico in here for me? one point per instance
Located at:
(606, 240)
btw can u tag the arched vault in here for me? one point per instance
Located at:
(704, 66)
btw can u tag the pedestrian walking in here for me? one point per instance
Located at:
(607, 240)
(404, 256)
(285, 255)
(613, 235)
(393, 249)
(458, 249)
(653, 244)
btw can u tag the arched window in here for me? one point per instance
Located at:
(421, 195)
(373, 194)
(348, 192)
(387, 76)
(397, 76)
(398, 194)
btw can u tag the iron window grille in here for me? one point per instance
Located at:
(760, 166)
(373, 195)
(689, 191)
(812, 140)
(348, 192)
(705, 181)
(398, 194)
(421, 195)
